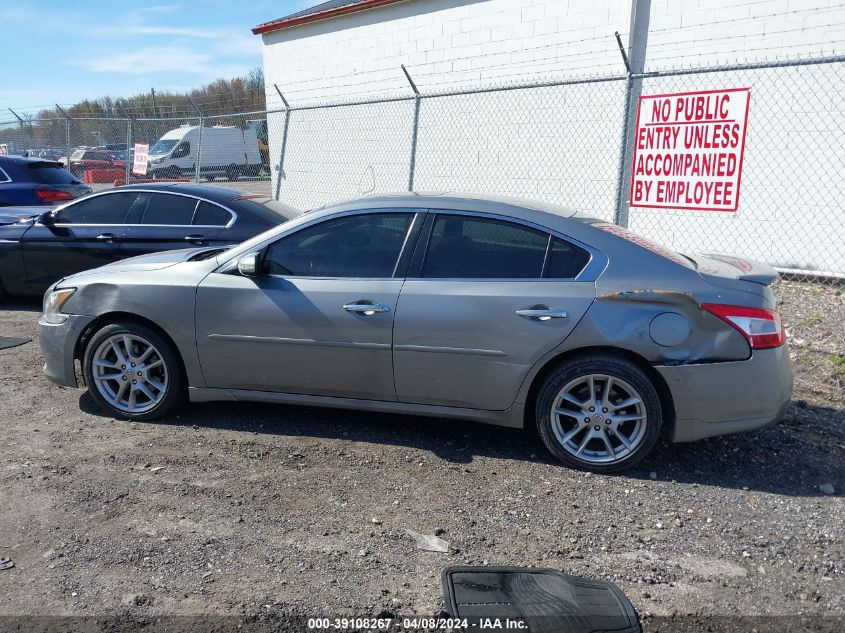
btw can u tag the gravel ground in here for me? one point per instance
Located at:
(245, 510)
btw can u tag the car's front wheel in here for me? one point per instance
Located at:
(599, 413)
(133, 372)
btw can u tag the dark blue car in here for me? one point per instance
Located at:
(39, 247)
(35, 181)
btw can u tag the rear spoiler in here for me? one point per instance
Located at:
(734, 272)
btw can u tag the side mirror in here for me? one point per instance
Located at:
(47, 218)
(249, 265)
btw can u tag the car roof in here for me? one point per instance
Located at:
(212, 192)
(24, 159)
(460, 201)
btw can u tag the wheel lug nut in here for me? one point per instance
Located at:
(133, 364)
(604, 410)
(123, 366)
(596, 427)
(134, 382)
(139, 373)
(607, 421)
(587, 420)
(592, 408)
(124, 378)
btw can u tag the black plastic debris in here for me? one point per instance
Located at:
(12, 341)
(544, 600)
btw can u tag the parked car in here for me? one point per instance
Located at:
(38, 248)
(508, 312)
(221, 151)
(83, 159)
(34, 181)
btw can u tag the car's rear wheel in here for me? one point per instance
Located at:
(133, 372)
(599, 413)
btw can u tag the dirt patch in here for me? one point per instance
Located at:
(244, 510)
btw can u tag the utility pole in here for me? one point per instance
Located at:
(635, 64)
(155, 110)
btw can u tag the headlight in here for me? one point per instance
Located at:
(53, 303)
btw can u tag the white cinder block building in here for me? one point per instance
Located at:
(562, 142)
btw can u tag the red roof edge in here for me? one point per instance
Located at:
(286, 23)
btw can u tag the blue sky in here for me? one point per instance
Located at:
(64, 51)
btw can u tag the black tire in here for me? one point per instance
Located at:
(173, 172)
(3, 293)
(175, 386)
(630, 376)
(232, 173)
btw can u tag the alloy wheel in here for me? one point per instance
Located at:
(599, 418)
(129, 373)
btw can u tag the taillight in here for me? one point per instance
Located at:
(762, 328)
(52, 195)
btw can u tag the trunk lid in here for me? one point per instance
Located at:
(735, 273)
(13, 215)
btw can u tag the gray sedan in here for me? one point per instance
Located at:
(502, 311)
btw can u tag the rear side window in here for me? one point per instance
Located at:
(51, 174)
(211, 215)
(356, 246)
(565, 260)
(3, 176)
(168, 209)
(464, 247)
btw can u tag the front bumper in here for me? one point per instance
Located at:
(732, 397)
(58, 342)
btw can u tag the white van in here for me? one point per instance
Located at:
(226, 151)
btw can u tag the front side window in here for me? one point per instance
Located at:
(110, 208)
(168, 209)
(366, 245)
(464, 247)
(183, 149)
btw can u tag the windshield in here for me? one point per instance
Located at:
(163, 146)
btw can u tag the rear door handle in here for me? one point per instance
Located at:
(196, 239)
(367, 308)
(541, 313)
(106, 237)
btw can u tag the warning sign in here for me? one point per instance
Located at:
(688, 150)
(139, 160)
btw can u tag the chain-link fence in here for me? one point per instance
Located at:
(566, 141)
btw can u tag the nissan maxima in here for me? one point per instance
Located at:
(496, 310)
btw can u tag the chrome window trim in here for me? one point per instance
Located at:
(590, 272)
(97, 194)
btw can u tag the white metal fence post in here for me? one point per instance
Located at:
(635, 65)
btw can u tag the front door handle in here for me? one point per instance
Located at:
(106, 237)
(196, 239)
(367, 308)
(541, 313)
